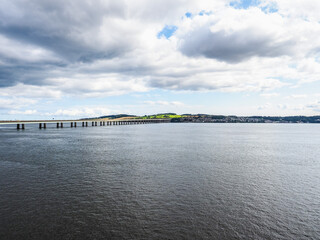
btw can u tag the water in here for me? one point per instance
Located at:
(161, 181)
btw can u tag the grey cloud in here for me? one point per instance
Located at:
(232, 47)
(63, 27)
(65, 30)
(33, 74)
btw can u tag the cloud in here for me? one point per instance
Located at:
(95, 111)
(265, 106)
(282, 106)
(31, 91)
(297, 96)
(16, 102)
(307, 9)
(315, 106)
(26, 112)
(236, 36)
(81, 111)
(269, 95)
(84, 49)
(164, 103)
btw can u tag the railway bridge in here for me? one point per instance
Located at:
(21, 125)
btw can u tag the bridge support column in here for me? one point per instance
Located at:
(86, 124)
(71, 124)
(104, 123)
(75, 124)
(44, 125)
(82, 124)
(57, 125)
(100, 123)
(95, 123)
(61, 125)
(22, 126)
(40, 125)
(18, 126)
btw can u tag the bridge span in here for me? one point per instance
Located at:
(21, 125)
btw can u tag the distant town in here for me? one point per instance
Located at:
(206, 118)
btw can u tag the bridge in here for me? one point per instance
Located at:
(21, 125)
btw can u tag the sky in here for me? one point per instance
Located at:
(83, 58)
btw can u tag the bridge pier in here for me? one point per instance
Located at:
(95, 123)
(71, 124)
(100, 123)
(86, 124)
(75, 124)
(82, 124)
(92, 124)
(61, 125)
(104, 123)
(57, 125)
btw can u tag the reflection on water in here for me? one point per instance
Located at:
(161, 181)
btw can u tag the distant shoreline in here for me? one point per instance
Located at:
(193, 118)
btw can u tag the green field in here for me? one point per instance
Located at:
(161, 116)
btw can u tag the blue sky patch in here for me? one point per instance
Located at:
(188, 15)
(244, 4)
(167, 31)
(269, 9)
(203, 12)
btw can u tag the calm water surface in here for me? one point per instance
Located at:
(161, 181)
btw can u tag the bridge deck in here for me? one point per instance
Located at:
(81, 120)
(73, 123)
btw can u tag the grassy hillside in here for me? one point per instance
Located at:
(161, 115)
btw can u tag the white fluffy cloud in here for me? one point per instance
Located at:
(164, 103)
